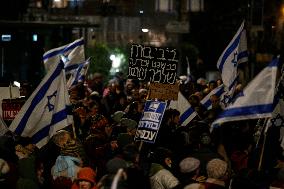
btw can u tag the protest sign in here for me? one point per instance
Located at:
(163, 91)
(150, 121)
(154, 64)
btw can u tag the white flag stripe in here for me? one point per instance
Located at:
(256, 101)
(187, 113)
(206, 102)
(46, 110)
(74, 53)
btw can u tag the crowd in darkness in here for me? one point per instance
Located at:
(100, 146)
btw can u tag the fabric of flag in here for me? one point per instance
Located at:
(73, 53)
(47, 109)
(206, 102)
(3, 127)
(256, 100)
(187, 113)
(79, 74)
(234, 54)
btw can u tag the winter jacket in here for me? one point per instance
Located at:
(161, 178)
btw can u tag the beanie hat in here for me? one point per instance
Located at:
(189, 164)
(115, 164)
(87, 174)
(117, 116)
(216, 168)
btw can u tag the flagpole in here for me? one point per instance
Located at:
(263, 145)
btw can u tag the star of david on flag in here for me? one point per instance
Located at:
(47, 110)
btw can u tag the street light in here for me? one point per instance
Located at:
(145, 30)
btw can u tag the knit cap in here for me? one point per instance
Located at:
(216, 168)
(117, 116)
(87, 174)
(129, 123)
(189, 164)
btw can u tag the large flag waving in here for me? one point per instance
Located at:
(73, 52)
(46, 110)
(256, 100)
(187, 113)
(234, 54)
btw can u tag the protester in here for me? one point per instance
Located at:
(217, 171)
(85, 179)
(160, 174)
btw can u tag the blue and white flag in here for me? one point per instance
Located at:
(187, 113)
(79, 74)
(46, 111)
(206, 102)
(257, 99)
(234, 54)
(74, 53)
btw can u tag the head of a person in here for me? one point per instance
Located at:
(194, 100)
(171, 116)
(217, 169)
(215, 100)
(162, 156)
(115, 164)
(212, 85)
(130, 125)
(189, 166)
(61, 138)
(86, 178)
(131, 153)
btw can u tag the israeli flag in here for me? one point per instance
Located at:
(73, 53)
(187, 113)
(234, 54)
(46, 110)
(79, 74)
(218, 91)
(256, 100)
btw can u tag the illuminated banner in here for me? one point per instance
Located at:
(150, 121)
(154, 64)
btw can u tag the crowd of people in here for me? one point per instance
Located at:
(99, 151)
